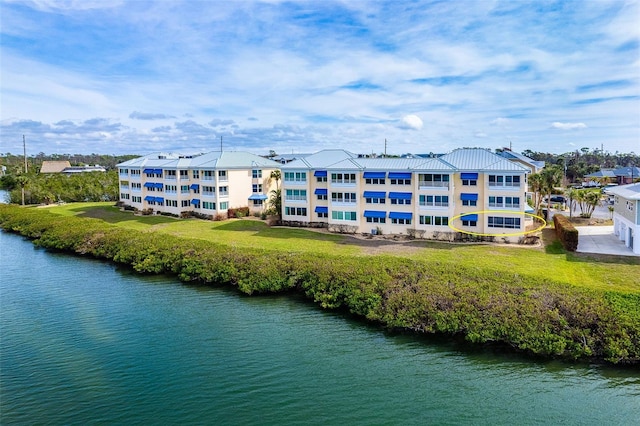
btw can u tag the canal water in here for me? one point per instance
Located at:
(87, 342)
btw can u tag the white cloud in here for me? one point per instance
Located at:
(568, 126)
(500, 121)
(412, 122)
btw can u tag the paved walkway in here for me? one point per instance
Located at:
(600, 239)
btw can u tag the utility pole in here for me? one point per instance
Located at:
(221, 143)
(385, 147)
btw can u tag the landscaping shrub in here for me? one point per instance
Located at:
(566, 232)
(239, 212)
(531, 314)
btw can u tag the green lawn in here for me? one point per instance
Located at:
(606, 273)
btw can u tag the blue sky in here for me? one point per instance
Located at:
(120, 77)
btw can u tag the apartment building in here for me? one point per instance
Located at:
(209, 183)
(468, 190)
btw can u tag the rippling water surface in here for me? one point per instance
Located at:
(83, 341)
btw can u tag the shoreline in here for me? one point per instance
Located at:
(536, 317)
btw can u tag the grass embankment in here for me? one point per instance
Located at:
(552, 304)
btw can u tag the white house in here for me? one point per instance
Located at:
(626, 214)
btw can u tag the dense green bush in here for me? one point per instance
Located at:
(566, 232)
(532, 315)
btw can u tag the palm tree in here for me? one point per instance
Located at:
(275, 202)
(535, 184)
(550, 179)
(276, 175)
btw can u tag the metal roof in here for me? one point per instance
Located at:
(216, 159)
(320, 160)
(630, 192)
(481, 160)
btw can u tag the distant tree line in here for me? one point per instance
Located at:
(34, 162)
(585, 161)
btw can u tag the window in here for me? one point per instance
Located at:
(256, 188)
(503, 222)
(469, 182)
(296, 195)
(124, 184)
(374, 200)
(257, 203)
(172, 189)
(340, 215)
(158, 173)
(295, 177)
(323, 215)
(375, 181)
(185, 203)
(499, 180)
(433, 180)
(136, 199)
(376, 220)
(434, 220)
(473, 203)
(209, 175)
(124, 171)
(434, 200)
(209, 190)
(469, 223)
(124, 196)
(196, 174)
(510, 202)
(222, 175)
(343, 197)
(224, 205)
(136, 186)
(295, 211)
(208, 205)
(171, 174)
(256, 174)
(171, 203)
(396, 221)
(184, 189)
(400, 181)
(396, 201)
(184, 174)
(343, 178)
(223, 191)
(135, 173)
(321, 197)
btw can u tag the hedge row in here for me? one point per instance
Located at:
(531, 315)
(566, 232)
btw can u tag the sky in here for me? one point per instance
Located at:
(135, 77)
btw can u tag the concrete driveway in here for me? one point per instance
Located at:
(600, 239)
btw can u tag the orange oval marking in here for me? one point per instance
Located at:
(512, 234)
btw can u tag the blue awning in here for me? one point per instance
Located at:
(157, 171)
(471, 217)
(400, 215)
(374, 213)
(149, 185)
(374, 175)
(258, 197)
(149, 198)
(320, 191)
(159, 200)
(396, 175)
(195, 201)
(469, 197)
(320, 173)
(468, 176)
(148, 171)
(321, 209)
(374, 194)
(158, 185)
(400, 195)
(194, 186)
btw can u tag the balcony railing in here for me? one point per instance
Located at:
(432, 184)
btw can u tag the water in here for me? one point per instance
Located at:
(86, 342)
